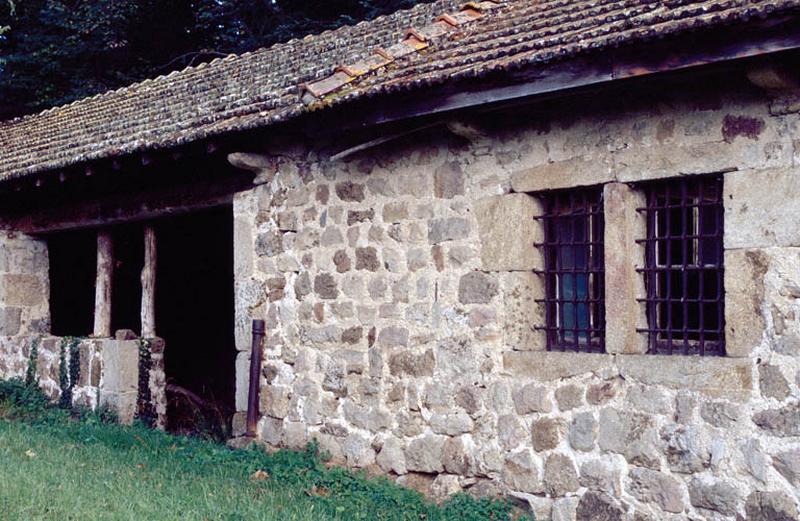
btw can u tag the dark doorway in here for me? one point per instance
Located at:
(195, 317)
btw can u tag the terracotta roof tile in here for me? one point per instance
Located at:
(276, 84)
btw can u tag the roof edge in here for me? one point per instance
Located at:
(192, 68)
(672, 54)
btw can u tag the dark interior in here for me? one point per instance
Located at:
(73, 265)
(195, 317)
(126, 294)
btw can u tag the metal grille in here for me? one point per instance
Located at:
(684, 266)
(573, 270)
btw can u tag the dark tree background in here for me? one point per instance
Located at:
(56, 51)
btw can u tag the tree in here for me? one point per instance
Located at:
(56, 51)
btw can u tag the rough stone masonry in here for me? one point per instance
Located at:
(400, 295)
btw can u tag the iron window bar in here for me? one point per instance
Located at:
(684, 266)
(573, 270)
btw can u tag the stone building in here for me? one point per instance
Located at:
(547, 249)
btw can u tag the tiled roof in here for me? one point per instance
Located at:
(276, 84)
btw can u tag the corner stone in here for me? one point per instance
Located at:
(506, 246)
(744, 295)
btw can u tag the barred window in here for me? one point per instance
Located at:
(573, 270)
(684, 266)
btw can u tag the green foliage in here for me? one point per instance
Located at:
(74, 362)
(462, 506)
(144, 401)
(19, 399)
(103, 415)
(139, 473)
(56, 51)
(65, 399)
(33, 357)
(68, 372)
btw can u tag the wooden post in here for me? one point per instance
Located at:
(149, 284)
(103, 285)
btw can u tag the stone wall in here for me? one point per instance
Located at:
(399, 293)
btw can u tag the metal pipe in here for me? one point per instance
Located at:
(259, 330)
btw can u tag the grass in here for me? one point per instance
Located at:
(57, 465)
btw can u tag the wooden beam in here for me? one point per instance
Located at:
(103, 285)
(774, 77)
(344, 154)
(60, 214)
(149, 283)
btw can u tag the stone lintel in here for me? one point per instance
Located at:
(641, 163)
(569, 173)
(647, 163)
(623, 285)
(716, 377)
(546, 366)
(508, 231)
(761, 208)
(744, 298)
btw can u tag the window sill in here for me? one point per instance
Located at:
(715, 377)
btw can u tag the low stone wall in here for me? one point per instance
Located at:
(401, 305)
(107, 371)
(15, 357)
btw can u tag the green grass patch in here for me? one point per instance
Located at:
(62, 465)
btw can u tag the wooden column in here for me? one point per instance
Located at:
(103, 285)
(149, 284)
